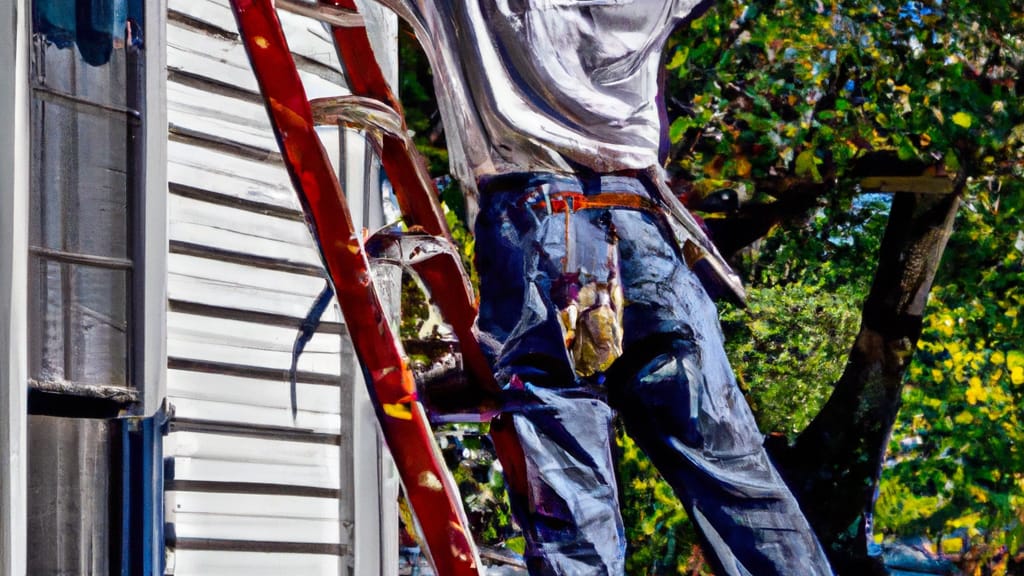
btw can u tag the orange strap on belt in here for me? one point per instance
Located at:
(575, 201)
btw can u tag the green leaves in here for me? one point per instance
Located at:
(807, 165)
(956, 459)
(911, 78)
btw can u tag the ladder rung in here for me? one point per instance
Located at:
(326, 14)
(358, 112)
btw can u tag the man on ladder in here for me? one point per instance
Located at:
(587, 304)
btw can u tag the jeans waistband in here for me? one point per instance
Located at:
(551, 183)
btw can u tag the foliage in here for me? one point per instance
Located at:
(469, 454)
(660, 537)
(804, 88)
(788, 348)
(797, 92)
(957, 464)
(419, 101)
(834, 250)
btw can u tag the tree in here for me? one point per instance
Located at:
(798, 104)
(800, 107)
(957, 467)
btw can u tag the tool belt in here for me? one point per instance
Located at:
(696, 248)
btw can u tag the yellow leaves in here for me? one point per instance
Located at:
(1015, 363)
(978, 494)
(679, 58)
(962, 119)
(998, 358)
(902, 88)
(975, 391)
(807, 165)
(743, 167)
(964, 418)
(969, 521)
(945, 325)
(926, 140)
(952, 545)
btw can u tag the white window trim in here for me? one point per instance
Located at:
(154, 333)
(14, 170)
(15, 158)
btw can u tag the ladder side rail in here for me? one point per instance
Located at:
(417, 195)
(429, 486)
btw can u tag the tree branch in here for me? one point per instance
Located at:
(835, 464)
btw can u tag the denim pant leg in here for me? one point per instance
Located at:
(554, 439)
(679, 401)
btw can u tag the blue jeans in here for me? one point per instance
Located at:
(587, 309)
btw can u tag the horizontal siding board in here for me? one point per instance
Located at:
(244, 371)
(218, 226)
(243, 242)
(226, 458)
(250, 488)
(193, 211)
(205, 55)
(294, 507)
(204, 338)
(238, 448)
(321, 363)
(188, 468)
(214, 292)
(206, 329)
(256, 526)
(219, 115)
(306, 37)
(257, 393)
(285, 284)
(202, 195)
(206, 140)
(232, 313)
(261, 415)
(221, 563)
(201, 250)
(197, 52)
(229, 174)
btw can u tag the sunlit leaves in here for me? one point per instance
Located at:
(958, 445)
(844, 79)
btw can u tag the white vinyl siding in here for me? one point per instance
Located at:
(249, 489)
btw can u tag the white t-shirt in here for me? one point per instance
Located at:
(540, 85)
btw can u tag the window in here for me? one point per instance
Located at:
(87, 184)
(93, 474)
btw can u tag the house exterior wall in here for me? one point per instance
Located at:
(230, 271)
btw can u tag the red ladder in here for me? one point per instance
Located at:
(373, 106)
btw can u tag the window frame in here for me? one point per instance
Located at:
(149, 343)
(145, 385)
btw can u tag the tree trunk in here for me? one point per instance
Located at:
(834, 465)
